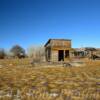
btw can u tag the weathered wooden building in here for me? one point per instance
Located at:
(58, 50)
(85, 52)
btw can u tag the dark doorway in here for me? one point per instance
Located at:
(66, 53)
(61, 55)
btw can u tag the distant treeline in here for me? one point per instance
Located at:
(35, 52)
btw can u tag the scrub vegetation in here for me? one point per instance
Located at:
(19, 80)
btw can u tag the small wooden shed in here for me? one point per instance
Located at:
(58, 50)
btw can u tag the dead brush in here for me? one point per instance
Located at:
(55, 83)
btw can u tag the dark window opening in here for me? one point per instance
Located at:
(66, 53)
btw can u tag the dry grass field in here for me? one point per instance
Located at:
(20, 81)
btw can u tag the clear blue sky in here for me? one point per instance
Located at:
(33, 22)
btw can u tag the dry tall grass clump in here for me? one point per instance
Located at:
(21, 81)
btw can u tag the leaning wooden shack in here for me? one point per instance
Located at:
(58, 50)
